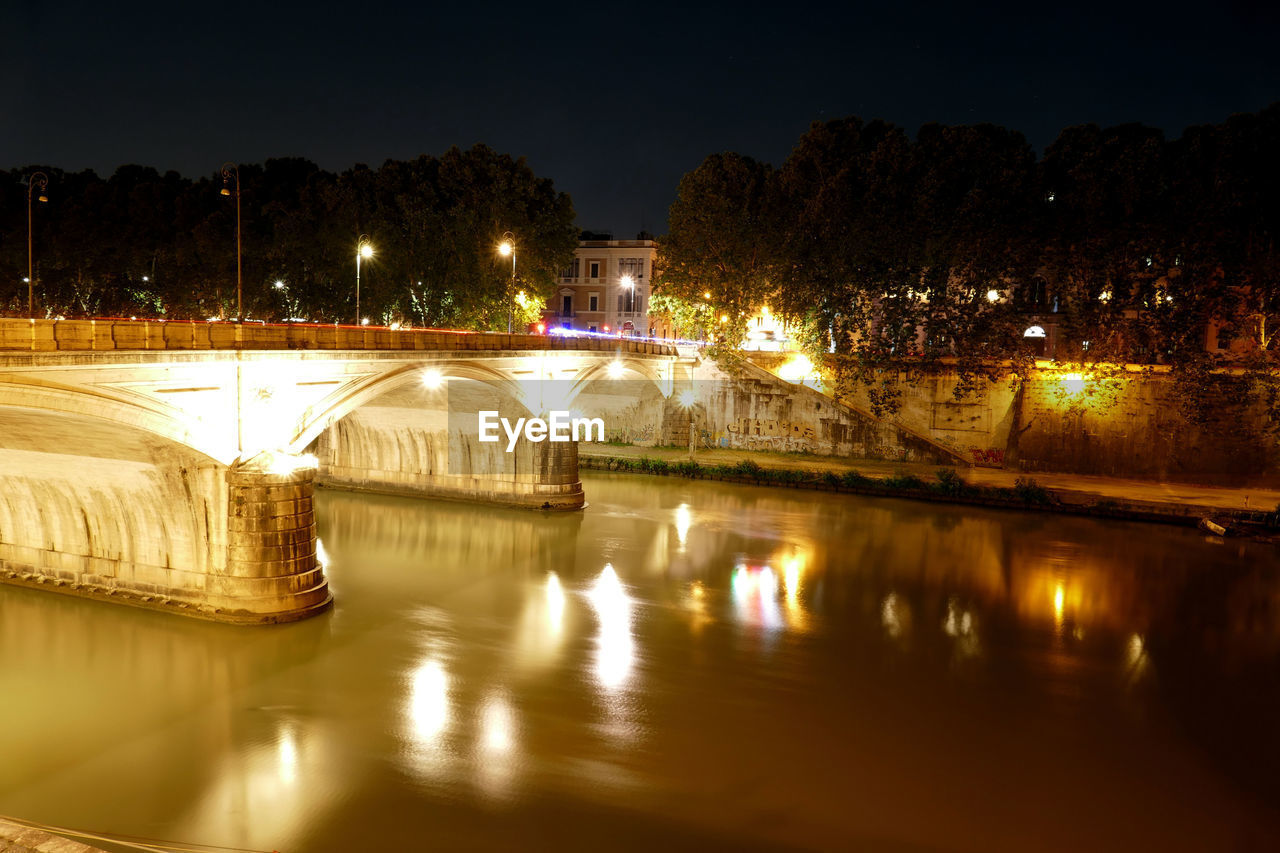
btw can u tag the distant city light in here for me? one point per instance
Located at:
(993, 295)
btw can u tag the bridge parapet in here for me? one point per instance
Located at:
(113, 334)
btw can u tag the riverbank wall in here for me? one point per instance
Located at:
(1054, 420)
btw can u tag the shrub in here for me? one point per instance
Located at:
(854, 480)
(950, 482)
(687, 468)
(830, 478)
(747, 468)
(903, 481)
(786, 475)
(1030, 492)
(653, 466)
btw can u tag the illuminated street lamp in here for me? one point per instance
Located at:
(508, 247)
(364, 249)
(686, 402)
(284, 293)
(41, 180)
(230, 171)
(630, 284)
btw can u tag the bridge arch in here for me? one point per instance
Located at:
(396, 433)
(121, 407)
(345, 402)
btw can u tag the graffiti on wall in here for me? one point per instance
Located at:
(631, 434)
(763, 434)
(757, 427)
(991, 457)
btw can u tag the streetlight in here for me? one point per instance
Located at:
(630, 284)
(41, 180)
(686, 401)
(284, 292)
(229, 171)
(508, 247)
(364, 249)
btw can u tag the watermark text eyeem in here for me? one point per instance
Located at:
(560, 426)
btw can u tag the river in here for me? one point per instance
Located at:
(684, 664)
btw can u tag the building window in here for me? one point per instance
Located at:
(1224, 337)
(572, 270)
(595, 269)
(591, 329)
(594, 301)
(633, 267)
(566, 305)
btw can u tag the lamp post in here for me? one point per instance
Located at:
(686, 400)
(229, 171)
(629, 283)
(364, 249)
(508, 247)
(284, 292)
(41, 180)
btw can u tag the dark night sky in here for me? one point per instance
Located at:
(613, 103)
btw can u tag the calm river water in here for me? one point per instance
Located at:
(682, 664)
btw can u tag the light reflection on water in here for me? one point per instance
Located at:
(695, 661)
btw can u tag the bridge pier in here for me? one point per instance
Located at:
(271, 572)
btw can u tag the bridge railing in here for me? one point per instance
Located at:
(111, 334)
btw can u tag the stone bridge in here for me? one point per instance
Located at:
(171, 465)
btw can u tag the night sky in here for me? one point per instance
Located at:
(614, 103)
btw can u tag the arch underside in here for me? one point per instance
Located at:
(424, 441)
(89, 500)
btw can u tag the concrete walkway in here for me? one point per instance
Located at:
(1069, 488)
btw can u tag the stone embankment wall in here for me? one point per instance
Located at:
(1044, 423)
(751, 409)
(1143, 435)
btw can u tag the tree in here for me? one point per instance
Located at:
(718, 263)
(142, 244)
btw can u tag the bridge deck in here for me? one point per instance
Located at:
(91, 335)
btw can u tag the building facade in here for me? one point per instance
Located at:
(606, 289)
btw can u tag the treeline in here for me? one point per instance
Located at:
(888, 250)
(144, 244)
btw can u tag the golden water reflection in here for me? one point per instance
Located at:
(627, 668)
(615, 647)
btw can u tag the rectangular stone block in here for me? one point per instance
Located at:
(42, 337)
(265, 524)
(74, 334)
(178, 335)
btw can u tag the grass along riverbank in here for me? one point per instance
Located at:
(946, 484)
